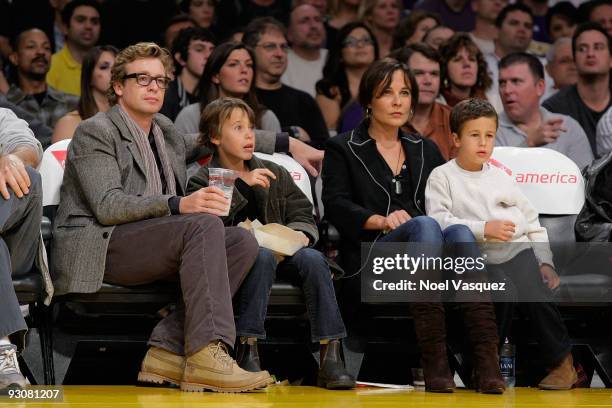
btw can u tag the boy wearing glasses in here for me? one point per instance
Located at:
(124, 219)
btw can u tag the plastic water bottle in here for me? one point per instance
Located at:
(506, 363)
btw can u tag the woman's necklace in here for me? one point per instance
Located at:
(396, 174)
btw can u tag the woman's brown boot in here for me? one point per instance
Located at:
(480, 323)
(430, 327)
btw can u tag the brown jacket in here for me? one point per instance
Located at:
(438, 130)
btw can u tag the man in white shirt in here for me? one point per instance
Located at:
(306, 57)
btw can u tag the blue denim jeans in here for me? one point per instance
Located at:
(317, 285)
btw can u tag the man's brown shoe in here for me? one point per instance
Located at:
(562, 377)
(212, 368)
(161, 367)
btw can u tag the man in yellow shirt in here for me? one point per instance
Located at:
(81, 20)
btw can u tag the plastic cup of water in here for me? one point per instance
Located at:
(223, 179)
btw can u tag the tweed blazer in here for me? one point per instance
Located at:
(103, 186)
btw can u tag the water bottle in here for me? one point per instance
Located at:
(506, 363)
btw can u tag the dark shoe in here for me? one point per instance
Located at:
(479, 318)
(332, 373)
(430, 327)
(562, 377)
(247, 357)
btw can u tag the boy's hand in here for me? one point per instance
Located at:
(259, 177)
(549, 276)
(395, 219)
(206, 200)
(501, 230)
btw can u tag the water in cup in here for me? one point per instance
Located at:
(223, 179)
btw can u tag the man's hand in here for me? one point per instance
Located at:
(14, 175)
(499, 230)
(395, 219)
(309, 157)
(260, 177)
(549, 276)
(206, 200)
(547, 132)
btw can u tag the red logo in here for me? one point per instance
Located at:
(500, 165)
(297, 176)
(60, 156)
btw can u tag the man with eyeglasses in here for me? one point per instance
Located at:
(589, 98)
(306, 58)
(190, 50)
(297, 111)
(123, 219)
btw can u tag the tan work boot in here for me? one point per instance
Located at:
(212, 368)
(161, 367)
(562, 377)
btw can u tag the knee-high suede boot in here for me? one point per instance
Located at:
(479, 318)
(430, 327)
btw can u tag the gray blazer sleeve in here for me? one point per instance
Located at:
(15, 134)
(94, 161)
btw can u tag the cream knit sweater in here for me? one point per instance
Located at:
(457, 196)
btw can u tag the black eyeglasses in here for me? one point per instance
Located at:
(357, 42)
(146, 79)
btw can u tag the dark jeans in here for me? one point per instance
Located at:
(210, 262)
(316, 281)
(523, 273)
(19, 238)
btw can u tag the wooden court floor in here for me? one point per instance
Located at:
(298, 397)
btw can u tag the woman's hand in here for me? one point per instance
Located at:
(259, 177)
(395, 219)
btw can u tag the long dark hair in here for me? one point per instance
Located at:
(208, 91)
(450, 48)
(334, 71)
(87, 106)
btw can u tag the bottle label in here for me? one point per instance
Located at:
(506, 366)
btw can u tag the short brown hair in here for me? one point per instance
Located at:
(470, 109)
(214, 116)
(379, 75)
(132, 53)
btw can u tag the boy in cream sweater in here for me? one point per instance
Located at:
(469, 191)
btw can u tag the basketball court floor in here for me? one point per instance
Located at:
(298, 397)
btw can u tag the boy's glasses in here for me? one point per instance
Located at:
(146, 79)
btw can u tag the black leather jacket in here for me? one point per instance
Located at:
(594, 223)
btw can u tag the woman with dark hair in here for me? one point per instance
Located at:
(95, 80)
(354, 51)
(374, 181)
(463, 70)
(229, 71)
(412, 29)
(383, 17)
